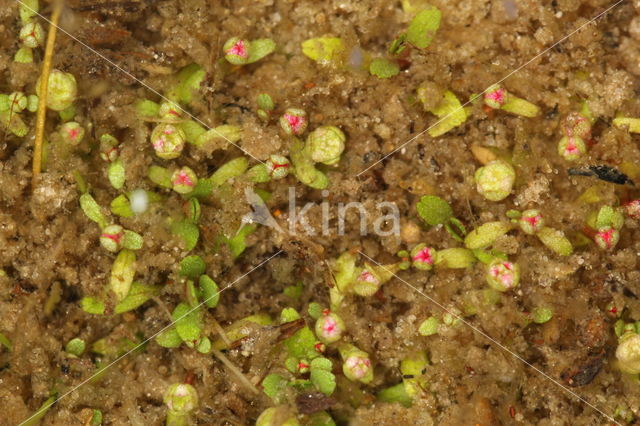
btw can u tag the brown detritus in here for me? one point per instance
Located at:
(309, 403)
(584, 372)
(288, 329)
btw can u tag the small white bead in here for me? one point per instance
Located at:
(139, 201)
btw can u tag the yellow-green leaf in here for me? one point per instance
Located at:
(450, 113)
(323, 50)
(423, 27)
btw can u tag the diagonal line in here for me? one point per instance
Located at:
(101, 370)
(501, 346)
(478, 95)
(133, 77)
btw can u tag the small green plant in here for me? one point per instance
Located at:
(62, 90)
(329, 327)
(238, 51)
(436, 211)
(294, 121)
(356, 363)
(502, 275)
(181, 400)
(168, 141)
(495, 180)
(496, 97)
(449, 111)
(628, 353)
(75, 347)
(265, 106)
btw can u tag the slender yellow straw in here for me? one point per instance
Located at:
(44, 84)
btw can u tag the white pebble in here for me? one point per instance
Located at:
(139, 201)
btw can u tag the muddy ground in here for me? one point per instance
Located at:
(48, 246)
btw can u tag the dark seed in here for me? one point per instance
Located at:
(605, 173)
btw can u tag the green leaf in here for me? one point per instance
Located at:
(450, 112)
(321, 418)
(434, 210)
(188, 232)
(521, 107)
(423, 27)
(396, 393)
(92, 210)
(322, 363)
(344, 271)
(288, 315)
(146, 108)
(456, 229)
(132, 240)
(14, 123)
(121, 206)
(455, 258)
(204, 346)
(293, 291)
(633, 124)
(259, 174)
(229, 170)
(192, 267)
(188, 81)
(323, 50)
(265, 102)
(302, 344)
(555, 241)
(192, 294)
(398, 45)
(210, 291)
(203, 189)
(80, 182)
(35, 418)
(116, 174)
(220, 135)
(304, 168)
(260, 48)
(138, 295)
(4, 340)
(486, 234)
(28, 9)
(429, 326)
(192, 130)
(291, 364)
(237, 244)
(169, 338)
(75, 346)
(187, 322)
(160, 176)
(91, 305)
(542, 315)
(323, 380)
(96, 419)
(273, 385)
(122, 273)
(384, 68)
(315, 310)
(608, 216)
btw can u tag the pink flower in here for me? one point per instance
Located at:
(239, 48)
(425, 255)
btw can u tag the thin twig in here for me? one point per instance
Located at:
(44, 84)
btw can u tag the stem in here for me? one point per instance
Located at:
(236, 372)
(44, 84)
